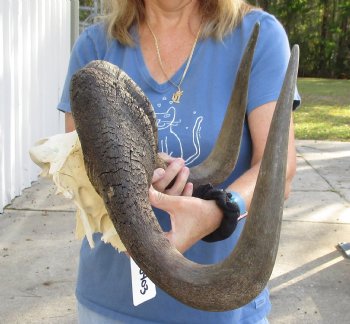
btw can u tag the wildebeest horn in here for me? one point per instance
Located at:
(222, 159)
(120, 151)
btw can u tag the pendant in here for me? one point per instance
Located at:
(177, 95)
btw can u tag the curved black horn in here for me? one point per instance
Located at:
(120, 155)
(217, 167)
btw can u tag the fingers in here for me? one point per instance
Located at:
(157, 175)
(188, 190)
(165, 157)
(175, 174)
(179, 184)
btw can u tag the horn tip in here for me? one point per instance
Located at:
(295, 49)
(256, 27)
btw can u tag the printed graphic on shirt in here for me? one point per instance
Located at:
(169, 140)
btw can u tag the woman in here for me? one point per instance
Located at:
(184, 55)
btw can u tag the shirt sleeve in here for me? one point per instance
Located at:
(84, 51)
(269, 65)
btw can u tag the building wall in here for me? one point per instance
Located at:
(34, 54)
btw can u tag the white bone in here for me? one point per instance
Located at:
(60, 158)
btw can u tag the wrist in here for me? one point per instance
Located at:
(230, 211)
(212, 215)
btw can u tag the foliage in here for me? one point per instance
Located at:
(322, 30)
(84, 14)
(325, 110)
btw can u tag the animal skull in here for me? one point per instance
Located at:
(61, 159)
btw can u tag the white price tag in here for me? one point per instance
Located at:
(143, 288)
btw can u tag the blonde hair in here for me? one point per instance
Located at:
(219, 17)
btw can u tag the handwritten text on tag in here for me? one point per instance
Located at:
(143, 288)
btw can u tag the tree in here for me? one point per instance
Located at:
(322, 30)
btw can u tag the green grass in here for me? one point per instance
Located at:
(325, 110)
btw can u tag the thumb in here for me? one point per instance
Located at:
(161, 200)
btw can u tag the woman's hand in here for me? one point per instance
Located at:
(191, 218)
(176, 171)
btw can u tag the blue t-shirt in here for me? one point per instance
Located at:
(186, 130)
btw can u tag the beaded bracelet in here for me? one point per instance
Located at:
(230, 203)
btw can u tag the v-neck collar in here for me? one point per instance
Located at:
(145, 73)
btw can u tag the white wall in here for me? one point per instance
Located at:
(34, 53)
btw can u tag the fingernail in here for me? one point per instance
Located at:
(186, 169)
(160, 172)
(180, 161)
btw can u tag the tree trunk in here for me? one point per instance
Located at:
(323, 59)
(342, 61)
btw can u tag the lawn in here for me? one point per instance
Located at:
(325, 110)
